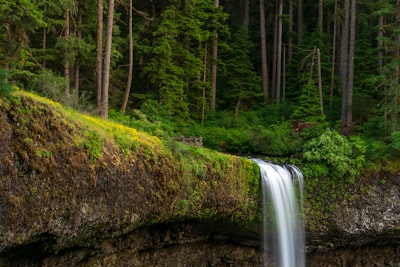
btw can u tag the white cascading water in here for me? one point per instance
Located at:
(283, 227)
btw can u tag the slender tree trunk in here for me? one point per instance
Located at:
(67, 77)
(352, 44)
(300, 22)
(107, 60)
(264, 62)
(284, 74)
(344, 60)
(214, 66)
(335, 21)
(246, 15)
(279, 54)
(321, 15)
(290, 36)
(380, 41)
(203, 100)
(321, 100)
(44, 42)
(99, 56)
(275, 54)
(395, 94)
(130, 71)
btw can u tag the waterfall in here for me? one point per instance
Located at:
(283, 228)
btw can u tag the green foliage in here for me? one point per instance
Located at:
(331, 151)
(239, 79)
(222, 139)
(308, 108)
(275, 140)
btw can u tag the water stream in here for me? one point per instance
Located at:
(283, 227)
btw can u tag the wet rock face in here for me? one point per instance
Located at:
(182, 244)
(357, 257)
(370, 216)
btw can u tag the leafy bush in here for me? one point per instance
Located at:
(342, 157)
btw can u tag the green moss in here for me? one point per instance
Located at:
(94, 144)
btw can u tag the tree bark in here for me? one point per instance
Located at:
(352, 44)
(344, 60)
(99, 56)
(380, 41)
(130, 68)
(300, 22)
(321, 15)
(203, 100)
(335, 22)
(214, 66)
(321, 100)
(395, 94)
(107, 60)
(246, 15)
(275, 54)
(279, 54)
(290, 36)
(264, 62)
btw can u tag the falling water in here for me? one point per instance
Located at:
(283, 231)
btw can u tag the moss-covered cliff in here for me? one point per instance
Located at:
(73, 180)
(80, 191)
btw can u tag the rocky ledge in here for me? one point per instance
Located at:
(70, 196)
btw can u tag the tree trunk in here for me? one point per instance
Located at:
(130, 71)
(321, 15)
(352, 44)
(264, 62)
(321, 100)
(203, 100)
(107, 60)
(246, 15)
(44, 42)
(99, 56)
(214, 66)
(67, 89)
(300, 22)
(279, 54)
(275, 54)
(344, 60)
(290, 36)
(380, 41)
(335, 21)
(395, 94)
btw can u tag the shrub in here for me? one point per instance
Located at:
(342, 157)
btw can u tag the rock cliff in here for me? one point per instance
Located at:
(76, 191)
